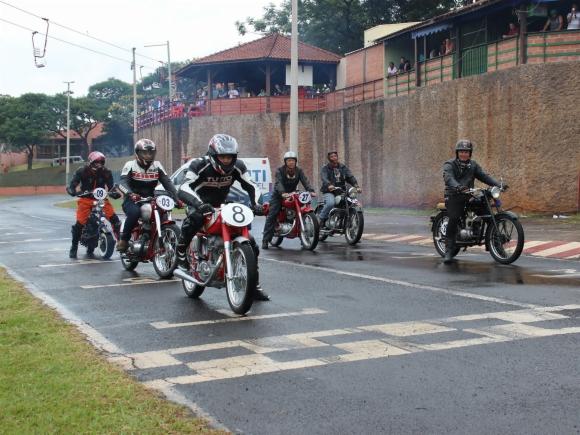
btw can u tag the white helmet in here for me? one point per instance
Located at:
(290, 155)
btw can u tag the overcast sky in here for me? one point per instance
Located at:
(194, 28)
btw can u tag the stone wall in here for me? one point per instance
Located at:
(524, 121)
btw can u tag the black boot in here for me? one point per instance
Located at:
(265, 243)
(260, 294)
(182, 262)
(449, 253)
(75, 231)
(323, 224)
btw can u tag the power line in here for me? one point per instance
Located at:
(79, 32)
(77, 45)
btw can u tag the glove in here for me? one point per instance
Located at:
(70, 191)
(359, 190)
(313, 194)
(134, 197)
(285, 195)
(205, 208)
(462, 189)
(115, 195)
(505, 187)
(258, 210)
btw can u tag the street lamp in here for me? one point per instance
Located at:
(294, 79)
(68, 92)
(168, 67)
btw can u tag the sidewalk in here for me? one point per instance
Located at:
(545, 237)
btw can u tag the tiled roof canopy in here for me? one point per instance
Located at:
(274, 47)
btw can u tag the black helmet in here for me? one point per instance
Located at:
(464, 145)
(145, 150)
(222, 145)
(290, 155)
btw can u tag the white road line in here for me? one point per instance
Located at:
(34, 240)
(130, 281)
(78, 263)
(263, 357)
(407, 284)
(40, 251)
(28, 233)
(304, 312)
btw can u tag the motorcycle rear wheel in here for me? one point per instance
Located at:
(106, 245)
(354, 227)
(502, 246)
(165, 257)
(192, 290)
(128, 264)
(241, 289)
(439, 235)
(310, 234)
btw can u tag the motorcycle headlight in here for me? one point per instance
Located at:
(352, 193)
(495, 192)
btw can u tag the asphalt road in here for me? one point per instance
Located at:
(381, 338)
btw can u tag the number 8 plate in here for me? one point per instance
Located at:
(237, 215)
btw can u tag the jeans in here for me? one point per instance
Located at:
(132, 213)
(270, 225)
(328, 205)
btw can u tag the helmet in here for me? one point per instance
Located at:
(96, 159)
(290, 155)
(464, 145)
(145, 150)
(222, 145)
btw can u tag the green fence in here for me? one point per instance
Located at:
(474, 60)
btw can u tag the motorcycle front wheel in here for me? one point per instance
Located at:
(354, 227)
(128, 264)
(241, 288)
(506, 239)
(310, 233)
(165, 257)
(439, 235)
(192, 290)
(105, 245)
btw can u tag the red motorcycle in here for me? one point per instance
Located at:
(220, 255)
(154, 238)
(296, 219)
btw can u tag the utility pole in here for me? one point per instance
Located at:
(68, 92)
(134, 68)
(294, 79)
(168, 67)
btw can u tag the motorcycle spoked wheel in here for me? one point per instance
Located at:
(241, 289)
(192, 290)
(128, 264)
(165, 257)
(310, 234)
(354, 227)
(507, 242)
(105, 245)
(439, 234)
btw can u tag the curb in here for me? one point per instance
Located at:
(538, 248)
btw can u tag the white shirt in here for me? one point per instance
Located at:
(392, 71)
(574, 21)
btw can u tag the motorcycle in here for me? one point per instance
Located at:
(220, 255)
(98, 234)
(155, 236)
(346, 217)
(483, 223)
(296, 219)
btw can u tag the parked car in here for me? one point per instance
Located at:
(59, 161)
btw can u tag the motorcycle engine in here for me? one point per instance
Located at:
(146, 211)
(290, 214)
(285, 228)
(139, 247)
(467, 233)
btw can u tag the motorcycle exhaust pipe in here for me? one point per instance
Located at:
(186, 277)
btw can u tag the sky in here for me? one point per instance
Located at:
(194, 28)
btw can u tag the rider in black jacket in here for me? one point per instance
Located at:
(139, 178)
(207, 184)
(459, 175)
(287, 179)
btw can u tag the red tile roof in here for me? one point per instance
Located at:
(274, 46)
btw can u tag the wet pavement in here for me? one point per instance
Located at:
(377, 338)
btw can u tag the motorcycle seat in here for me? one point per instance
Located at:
(441, 206)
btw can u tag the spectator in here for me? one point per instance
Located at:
(402, 64)
(262, 93)
(574, 18)
(392, 69)
(449, 46)
(513, 30)
(442, 48)
(433, 53)
(555, 22)
(277, 90)
(233, 92)
(326, 89)
(407, 65)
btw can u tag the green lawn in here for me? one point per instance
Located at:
(24, 167)
(53, 381)
(176, 213)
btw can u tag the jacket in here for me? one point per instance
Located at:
(135, 179)
(454, 176)
(286, 184)
(337, 177)
(89, 180)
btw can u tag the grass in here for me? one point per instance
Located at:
(53, 381)
(24, 167)
(176, 213)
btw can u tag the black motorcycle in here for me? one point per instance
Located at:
(98, 235)
(483, 223)
(346, 217)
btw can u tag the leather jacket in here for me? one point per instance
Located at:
(286, 184)
(456, 174)
(337, 177)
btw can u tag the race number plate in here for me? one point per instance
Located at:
(237, 215)
(304, 197)
(165, 202)
(99, 193)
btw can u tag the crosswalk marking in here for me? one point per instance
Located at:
(75, 263)
(395, 339)
(129, 282)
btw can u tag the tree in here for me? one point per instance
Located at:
(338, 25)
(110, 91)
(22, 123)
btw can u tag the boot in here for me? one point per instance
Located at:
(90, 252)
(122, 245)
(260, 294)
(182, 262)
(265, 243)
(75, 231)
(449, 253)
(323, 224)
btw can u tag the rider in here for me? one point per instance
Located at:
(287, 179)
(207, 183)
(139, 178)
(91, 176)
(459, 175)
(334, 175)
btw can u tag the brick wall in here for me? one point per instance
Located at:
(365, 65)
(554, 46)
(523, 131)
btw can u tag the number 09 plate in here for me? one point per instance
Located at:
(237, 215)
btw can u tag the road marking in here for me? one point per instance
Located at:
(265, 351)
(40, 251)
(77, 263)
(19, 233)
(304, 312)
(407, 284)
(130, 281)
(558, 250)
(35, 240)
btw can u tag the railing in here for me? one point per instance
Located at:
(503, 54)
(474, 60)
(401, 84)
(437, 70)
(355, 94)
(553, 46)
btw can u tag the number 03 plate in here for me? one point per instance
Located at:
(237, 215)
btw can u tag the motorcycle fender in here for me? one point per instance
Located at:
(168, 222)
(240, 240)
(503, 213)
(435, 218)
